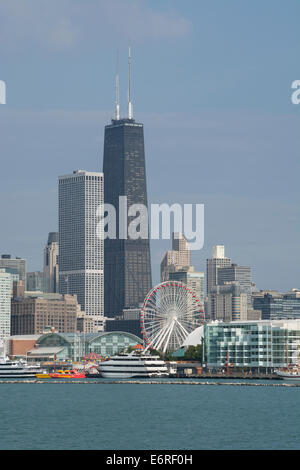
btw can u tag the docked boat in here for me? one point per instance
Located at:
(289, 373)
(43, 375)
(17, 369)
(92, 372)
(67, 374)
(133, 365)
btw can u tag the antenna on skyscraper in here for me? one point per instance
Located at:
(129, 95)
(117, 90)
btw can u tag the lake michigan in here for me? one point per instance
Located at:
(146, 416)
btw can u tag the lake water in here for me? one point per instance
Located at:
(145, 416)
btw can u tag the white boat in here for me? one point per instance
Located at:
(289, 374)
(133, 365)
(17, 369)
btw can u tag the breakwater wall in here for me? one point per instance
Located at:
(151, 382)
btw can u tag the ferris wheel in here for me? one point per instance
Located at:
(171, 311)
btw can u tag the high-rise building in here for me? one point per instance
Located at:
(80, 249)
(35, 281)
(5, 307)
(227, 302)
(51, 271)
(193, 279)
(19, 289)
(218, 251)
(241, 274)
(177, 259)
(127, 267)
(217, 261)
(15, 266)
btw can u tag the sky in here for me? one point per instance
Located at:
(211, 82)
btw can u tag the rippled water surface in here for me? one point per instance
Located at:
(145, 416)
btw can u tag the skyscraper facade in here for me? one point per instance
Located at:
(276, 305)
(81, 259)
(193, 279)
(31, 315)
(5, 307)
(35, 281)
(217, 261)
(241, 274)
(227, 302)
(177, 259)
(51, 271)
(127, 267)
(14, 266)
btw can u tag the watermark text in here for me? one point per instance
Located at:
(2, 92)
(137, 222)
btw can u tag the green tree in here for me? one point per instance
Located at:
(169, 357)
(154, 352)
(194, 353)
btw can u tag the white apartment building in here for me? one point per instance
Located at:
(81, 251)
(5, 304)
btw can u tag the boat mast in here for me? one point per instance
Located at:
(287, 358)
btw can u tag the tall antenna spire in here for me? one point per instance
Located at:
(117, 90)
(129, 94)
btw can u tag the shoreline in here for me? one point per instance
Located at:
(150, 382)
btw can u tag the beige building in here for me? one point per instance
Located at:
(193, 279)
(227, 303)
(253, 314)
(32, 313)
(177, 259)
(86, 323)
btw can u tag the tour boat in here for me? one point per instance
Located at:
(67, 374)
(17, 369)
(133, 365)
(289, 373)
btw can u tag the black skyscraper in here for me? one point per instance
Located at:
(127, 268)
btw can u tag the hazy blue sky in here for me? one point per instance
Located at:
(212, 85)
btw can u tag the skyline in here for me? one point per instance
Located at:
(231, 113)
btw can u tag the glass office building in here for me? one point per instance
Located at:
(16, 266)
(278, 305)
(127, 268)
(240, 274)
(252, 344)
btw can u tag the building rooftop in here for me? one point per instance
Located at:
(24, 337)
(45, 351)
(253, 322)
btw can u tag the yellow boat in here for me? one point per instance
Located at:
(43, 376)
